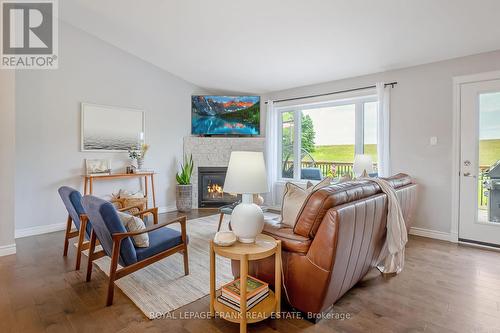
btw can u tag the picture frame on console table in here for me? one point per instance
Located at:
(110, 128)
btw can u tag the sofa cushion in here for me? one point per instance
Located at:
(294, 197)
(289, 240)
(159, 240)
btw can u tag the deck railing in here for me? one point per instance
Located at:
(328, 168)
(483, 199)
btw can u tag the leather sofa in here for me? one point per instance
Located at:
(338, 236)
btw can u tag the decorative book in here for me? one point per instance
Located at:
(254, 287)
(249, 300)
(236, 305)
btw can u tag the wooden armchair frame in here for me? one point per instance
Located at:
(80, 233)
(114, 272)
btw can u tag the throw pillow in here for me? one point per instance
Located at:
(294, 197)
(345, 178)
(325, 182)
(133, 223)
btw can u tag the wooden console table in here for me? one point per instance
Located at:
(88, 182)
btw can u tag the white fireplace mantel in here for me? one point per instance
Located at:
(215, 152)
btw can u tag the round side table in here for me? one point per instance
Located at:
(264, 246)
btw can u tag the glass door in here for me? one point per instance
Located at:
(480, 163)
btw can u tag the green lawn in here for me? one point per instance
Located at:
(341, 153)
(489, 151)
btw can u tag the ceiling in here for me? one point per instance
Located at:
(257, 46)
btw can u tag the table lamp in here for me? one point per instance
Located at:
(246, 175)
(363, 165)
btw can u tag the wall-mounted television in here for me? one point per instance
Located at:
(225, 115)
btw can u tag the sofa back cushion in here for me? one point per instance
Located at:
(294, 197)
(318, 203)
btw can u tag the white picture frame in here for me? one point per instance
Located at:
(107, 128)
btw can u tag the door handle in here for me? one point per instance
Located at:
(468, 174)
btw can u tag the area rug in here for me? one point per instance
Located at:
(162, 287)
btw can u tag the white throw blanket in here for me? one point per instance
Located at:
(392, 256)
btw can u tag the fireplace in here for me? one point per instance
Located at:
(210, 183)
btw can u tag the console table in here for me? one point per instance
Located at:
(88, 182)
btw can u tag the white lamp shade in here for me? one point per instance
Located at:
(362, 163)
(246, 173)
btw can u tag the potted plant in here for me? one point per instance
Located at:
(184, 188)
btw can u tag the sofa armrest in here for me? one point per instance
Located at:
(290, 241)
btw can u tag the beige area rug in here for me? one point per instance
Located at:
(162, 287)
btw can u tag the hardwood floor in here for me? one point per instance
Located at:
(443, 288)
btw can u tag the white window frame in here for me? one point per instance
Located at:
(359, 103)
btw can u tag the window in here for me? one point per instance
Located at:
(321, 140)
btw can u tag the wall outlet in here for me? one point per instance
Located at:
(433, 141)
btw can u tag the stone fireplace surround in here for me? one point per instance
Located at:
(215, 152)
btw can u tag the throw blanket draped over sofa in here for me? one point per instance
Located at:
(392, 256)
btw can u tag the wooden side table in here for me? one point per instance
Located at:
(88, 182)
(263, 247)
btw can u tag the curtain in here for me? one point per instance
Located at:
(271, 151)
(383, 132)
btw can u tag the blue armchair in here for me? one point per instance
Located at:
(117, 244)
(72, 200)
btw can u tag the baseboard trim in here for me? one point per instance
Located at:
(479, 246)
(434, 234)
(39, 230)
(7, 250)
(45, 229)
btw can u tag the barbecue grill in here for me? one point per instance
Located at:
(493, 187)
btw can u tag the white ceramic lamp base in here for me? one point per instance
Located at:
(247, 220)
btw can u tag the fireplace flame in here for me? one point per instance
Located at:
(214, 190)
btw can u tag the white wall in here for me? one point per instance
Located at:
(48, 124)
(421, 107)
(7, 161)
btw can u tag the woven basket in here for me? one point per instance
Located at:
(120, 203)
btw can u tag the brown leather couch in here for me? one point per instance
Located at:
(337, 239)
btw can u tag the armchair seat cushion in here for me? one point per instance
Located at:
(159, 240)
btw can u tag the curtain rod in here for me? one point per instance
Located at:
(392, 84)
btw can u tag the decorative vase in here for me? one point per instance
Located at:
(140, 163)
(247, 220)
(184, 197)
